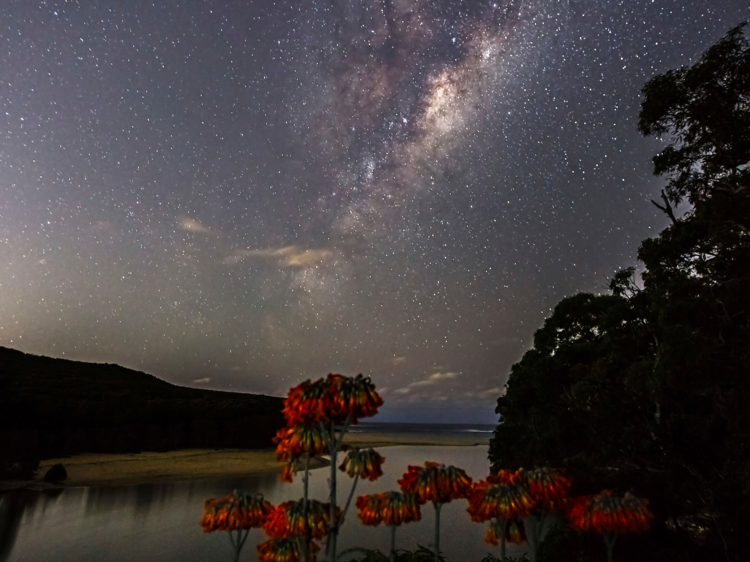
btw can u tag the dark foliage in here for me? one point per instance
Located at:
(18, 469)
(56, 473)
(54, 407)
(422, 554)
(647, 388)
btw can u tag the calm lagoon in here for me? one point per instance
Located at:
(161, 521)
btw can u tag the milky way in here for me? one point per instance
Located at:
(241, 195)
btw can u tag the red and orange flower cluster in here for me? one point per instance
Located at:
(502, 496)
(514, 532)
(333, 399)
(288, 520)
(284, 550)
(507, 496)
(436, 483)
(389, 508)
(311, 407)
(235, 511)
(549, 487)
(606, 513)
(363, 464)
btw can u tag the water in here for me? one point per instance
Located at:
(161, 522)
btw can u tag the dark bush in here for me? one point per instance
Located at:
(56, 474)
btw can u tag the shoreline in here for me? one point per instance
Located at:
(105, 470)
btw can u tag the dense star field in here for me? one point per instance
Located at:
(242, 195)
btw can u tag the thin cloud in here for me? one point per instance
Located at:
(194, 226)
(417, 384)
(443, 376)
(286, 256)
(204, 380)
(493, 393)
(435, 378)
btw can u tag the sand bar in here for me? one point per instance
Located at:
(191, 464)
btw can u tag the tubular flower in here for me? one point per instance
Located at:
(501, 496)
(334, 398)
(369, 509)
(305, 403)
(284, 550)
(506, 477)
(293, 442)
(389, 508)
(606, 513)
(365, 464)
(548, 486)
(514, 532)
(287, 520)
(398, 508)
(352, 396)
(289, 470)
(235, 511)
(436, 483)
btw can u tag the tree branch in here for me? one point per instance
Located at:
(667, 208)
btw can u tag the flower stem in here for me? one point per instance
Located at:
(306, 480)
(392, 556)
(437, 530)
(349, 499)
(502, 541)
(609, 540)
(334, 529)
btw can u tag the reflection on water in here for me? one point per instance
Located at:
(161, 522)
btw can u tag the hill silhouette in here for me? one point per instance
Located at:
(56, 407)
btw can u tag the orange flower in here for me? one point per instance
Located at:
(294, 441)
(398, 508)
(284, 550)
(435, 482)
(389, 508)
(548, 486)
(235, 511)
(333, 399)
(369, 509)
(514, 532)
(606, 513)
(501, 496)
(351, 396)
(288, 521)
(305, 403)
(365, 464)
(289, 470)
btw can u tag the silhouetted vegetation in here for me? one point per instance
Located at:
(56, 473)
(55, 407)
(647, 388)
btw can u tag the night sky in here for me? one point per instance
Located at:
(242, 195)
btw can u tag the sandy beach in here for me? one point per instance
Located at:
(148, 467)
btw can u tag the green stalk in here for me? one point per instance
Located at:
(437, 530)
(306, 480)
(334, 445)
(247, 532)
(536, 527)
(349, 499)
(392, 556)
(502, 541)
(236, 546)
(333, 448)
(609, 540)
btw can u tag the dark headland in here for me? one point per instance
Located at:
(51, 408)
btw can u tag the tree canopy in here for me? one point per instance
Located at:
(648, 387)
